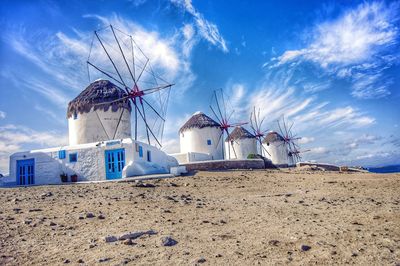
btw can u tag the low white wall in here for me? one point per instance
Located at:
(191, 157)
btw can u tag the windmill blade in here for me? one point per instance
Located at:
(119, 121)
(147, 126)
(108, 75)
(155, 89)
(280, 129)
(123, 55)
(155, 111)
(102, 125)
(219, 139)
(219, 121)
(238, 124)
(109, 57)
(219, 109)
(263, 148)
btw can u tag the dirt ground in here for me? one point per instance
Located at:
(216, 218)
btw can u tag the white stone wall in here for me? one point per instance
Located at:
(87, 128)
(90, 165)
(278, 152)
(191, 157)
(243, 147)
(195, 140)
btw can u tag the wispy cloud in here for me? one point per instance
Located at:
(208, 30)
(2, 114)
(357, 46)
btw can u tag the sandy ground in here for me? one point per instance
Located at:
(230, 218)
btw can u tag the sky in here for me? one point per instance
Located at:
(330, 67)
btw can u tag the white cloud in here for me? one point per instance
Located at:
(305, 140)
(356, 46)
(2, 114)
(13, 138)
(206, 29)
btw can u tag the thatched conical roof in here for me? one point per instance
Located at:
(239, 133)
(98, 92)
(199, 120)
(272, 137)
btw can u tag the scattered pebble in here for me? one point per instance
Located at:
(168, 241)
(90, 215)
(305, 248)
(273, 242)
(109, 239)
(201, 260)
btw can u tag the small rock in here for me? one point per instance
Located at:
(146, 185)
(201, 260)
(80, 261)
(27, 221)
(109, 239)
(104, 259)
(168, 241)
(305, 248)
(333, 252)
(90, 215)
(47, 194)
(67, 261)
(52, 224)
(134, 235)
(354, 254)
(128, 242)
(273, 242)
(101, 217)
(35, 210)
(218, 256)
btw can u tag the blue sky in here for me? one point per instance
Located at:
(331, 67)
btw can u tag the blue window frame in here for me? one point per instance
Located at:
(149, 156)
(73, 157)
(61, 154)
(75, 115)
(209, 142)
(141, 151)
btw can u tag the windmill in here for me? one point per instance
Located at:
(223, 113)
(256, 125)
(290, 139)
(115, 55)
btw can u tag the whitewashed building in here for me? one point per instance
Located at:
(98, 150)
(277, 148)
(240, 144)
(200, 140)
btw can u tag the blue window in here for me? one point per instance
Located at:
(140, 151)
(149, 156)
(75, 115)
(61, 154)
(73, 157)
(209, 142)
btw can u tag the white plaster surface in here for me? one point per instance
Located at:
(87, 128)
(278, 153)
(194, 140)
(240, 148)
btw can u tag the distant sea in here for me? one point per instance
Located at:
(385, 169)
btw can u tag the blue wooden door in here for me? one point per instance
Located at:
(25, 172)
(115, 162)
